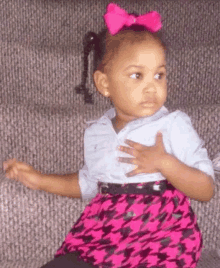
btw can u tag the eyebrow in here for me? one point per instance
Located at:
(141, 67)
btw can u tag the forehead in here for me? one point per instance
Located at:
(148, 53)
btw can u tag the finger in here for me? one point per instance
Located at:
(8, 163)
(13, 173)
(159, 134)
(127, 160)
(22, 166)
(134, 144)
(133, 172)
(128, 150)
(10, 174)
(159, 139)
(17, 166)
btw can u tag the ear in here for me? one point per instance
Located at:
(101, 82)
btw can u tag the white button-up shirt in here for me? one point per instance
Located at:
(101, 141)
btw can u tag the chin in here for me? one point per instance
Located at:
(149, 112)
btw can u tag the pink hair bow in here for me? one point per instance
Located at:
(116, 17)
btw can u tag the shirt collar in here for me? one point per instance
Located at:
(142, 120)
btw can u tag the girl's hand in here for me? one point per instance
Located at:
(147, 159)
(22, 172)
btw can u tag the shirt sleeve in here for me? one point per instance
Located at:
(88, 186)
(187, 146)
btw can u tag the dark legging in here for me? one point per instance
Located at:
(70, 260)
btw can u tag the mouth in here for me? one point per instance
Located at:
(149, 103)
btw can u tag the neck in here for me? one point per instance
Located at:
(117, 124)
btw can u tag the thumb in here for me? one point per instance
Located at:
(159, 139)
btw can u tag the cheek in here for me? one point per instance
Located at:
(135, 96)
(116, 83)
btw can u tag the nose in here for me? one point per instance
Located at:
(150, 87)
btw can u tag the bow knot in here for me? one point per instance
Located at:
(130, 20)
(116, 17)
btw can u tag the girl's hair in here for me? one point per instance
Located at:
(106, 48)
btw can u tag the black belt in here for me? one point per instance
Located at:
(146, 188)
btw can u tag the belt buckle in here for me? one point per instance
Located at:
(102, 187)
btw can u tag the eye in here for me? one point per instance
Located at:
(135, 76)
(159, 76)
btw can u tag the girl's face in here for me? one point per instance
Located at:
(136, 80)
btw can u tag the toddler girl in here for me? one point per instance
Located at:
(142, 162)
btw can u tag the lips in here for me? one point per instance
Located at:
(148, 103)
(151, 100)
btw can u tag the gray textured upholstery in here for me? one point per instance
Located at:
(42, 120)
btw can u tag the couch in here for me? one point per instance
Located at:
(42, 118)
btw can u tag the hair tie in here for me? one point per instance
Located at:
(116, 18)
(90, 40)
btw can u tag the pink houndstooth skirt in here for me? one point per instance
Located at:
(136, 230)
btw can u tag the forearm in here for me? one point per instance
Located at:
(191, 181)
(65, 185)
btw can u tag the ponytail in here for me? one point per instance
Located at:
(90, 42)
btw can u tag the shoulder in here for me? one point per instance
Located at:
(182, 130)
(93, 129)
(176, 120)
(101, 125)
(179, 119)
(98, 132)
(179, 115)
